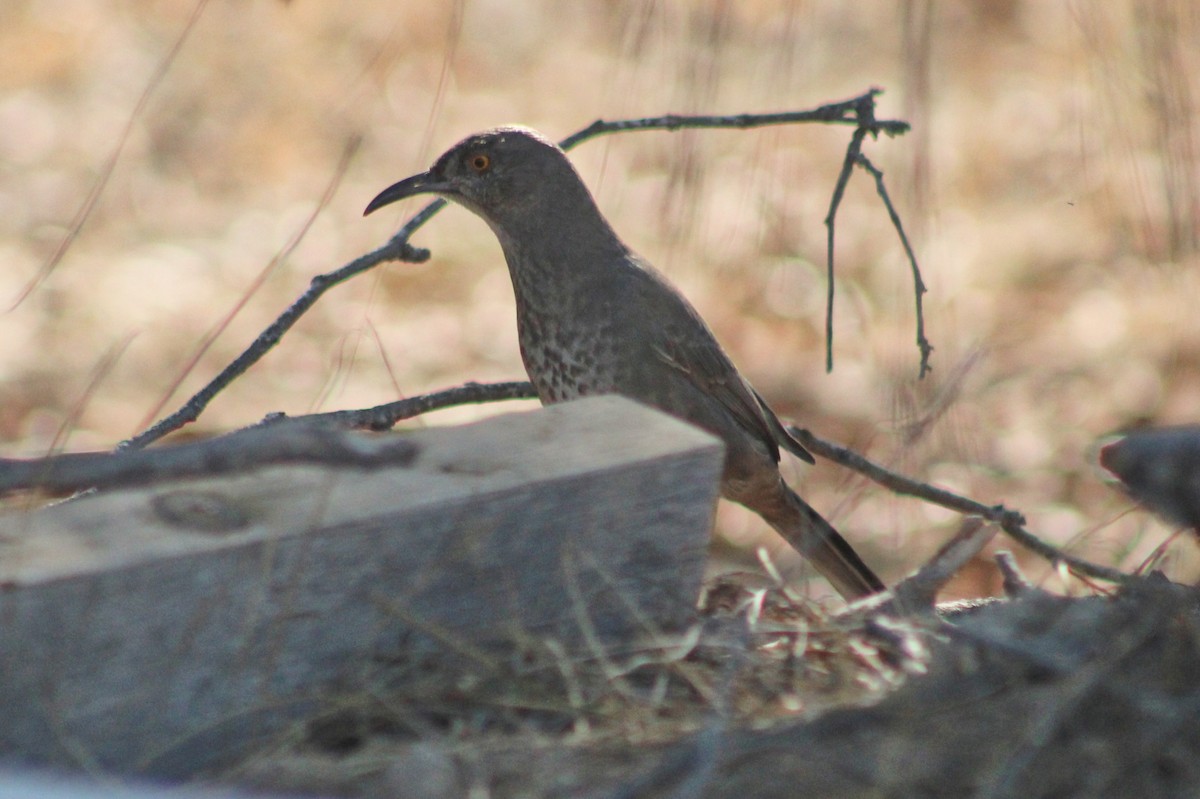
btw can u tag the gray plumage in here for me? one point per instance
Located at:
(593, 317)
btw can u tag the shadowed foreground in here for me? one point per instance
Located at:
(1038, 696)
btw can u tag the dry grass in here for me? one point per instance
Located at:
(1041, 696)
(761, 658)
(1050, 185)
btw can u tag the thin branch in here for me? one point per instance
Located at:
(857, 111)
(397, 249)
(848, 112)
(314, 438)
(853, 150)
(1016, 584)
(1010, 521)
(917, 592)
(297, 442)
(919, 288)
(384, 417)
(864, 115)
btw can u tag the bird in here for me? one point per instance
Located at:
(594, 317)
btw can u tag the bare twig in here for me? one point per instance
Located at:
(864, 116)
(918, 592)
(919, 288)
(315, 438)
(299, 441)
(1016, 584)
(858, 111)
(397, 249)
(848, 112)
(384, 417)
(839, 189)
(1010, 521)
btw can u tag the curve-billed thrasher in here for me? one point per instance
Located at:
(594, 318)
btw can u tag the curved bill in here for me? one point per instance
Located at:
(422, 183)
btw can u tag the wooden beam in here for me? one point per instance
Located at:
(161, 629)
(34, 785)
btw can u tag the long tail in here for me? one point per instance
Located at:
(823, 546)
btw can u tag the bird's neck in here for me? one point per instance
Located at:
(562, 257)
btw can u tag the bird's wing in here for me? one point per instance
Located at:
(710, 369)
(786, 439)
(684, 342)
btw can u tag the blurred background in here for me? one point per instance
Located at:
(163, 164)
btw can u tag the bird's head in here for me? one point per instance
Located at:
(499, 174)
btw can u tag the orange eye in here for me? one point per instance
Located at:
(480, 162)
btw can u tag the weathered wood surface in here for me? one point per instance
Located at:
(160, 629)
(30, 785)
